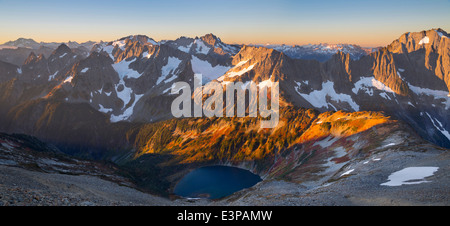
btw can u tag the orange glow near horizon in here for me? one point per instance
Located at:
(364, 40)
(292, 22)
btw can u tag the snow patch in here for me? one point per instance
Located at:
(424, 40)
(170, 67)
(104, 110)
(399, 75)
(123, 69)
(185, 48)
(385, 96)
(207, 70)
(153, 42)
(146, 55)
(333, 166)
(167, 90)
(241, 63)
(439, 126)
(425, 91)
(121, 44)
(410, 175)
(201, 47)
(128, 112)
(84, 70)
(318, 98)
(390, 144)
(171, 79)
(125, 94)
(437, 94)
(108, 50)
(239, 73)
(51, 77)
(368, 83)
(68, 79)
(441, 34)
(348, 172)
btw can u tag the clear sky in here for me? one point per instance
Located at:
(363, 22)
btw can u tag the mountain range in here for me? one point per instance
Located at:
(16, 52)
(129, 79)
(320, 52)
(339, 104)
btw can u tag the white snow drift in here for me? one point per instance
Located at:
(410, 175)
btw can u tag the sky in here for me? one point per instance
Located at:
(364, 22)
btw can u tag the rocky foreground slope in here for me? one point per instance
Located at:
(35, 173)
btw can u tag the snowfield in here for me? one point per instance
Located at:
(201, 47)
(208, 72)
(368, 83)
(169, 68)
(318, 98)
(239, 73)
(410, 175)
(123, 69)
(425, 40)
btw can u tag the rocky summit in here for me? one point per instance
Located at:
(350, 119)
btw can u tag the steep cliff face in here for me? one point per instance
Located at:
(385, 71)
(424, 54)
(254, 64)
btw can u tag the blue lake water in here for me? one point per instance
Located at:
(215, 182)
